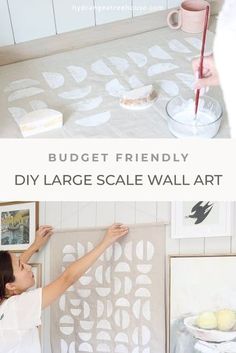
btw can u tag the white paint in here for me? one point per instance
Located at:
(122, 318)
(88, 104)
(147, 310)
(75, 302)
(75, 312)
(120, 64)
(24, 93)
(77, 72)
(38, 104)
(76, 93)
(135, 82)
(121, 337)
(169, 87)
(103, 292)
(86, 325)
(117, 251)
(104, 325)
(160, 68)
(86, 308)
(121, 348)
(85, 347)
(101, 68)
(122, 267)
(62, 302)
(68, 258)
(54, 79)
(128, 250)
(115, 88)
(117, 285)
(142, 292)
(137, 308)
(195, 42)
(84, 293)
(80, 250)
(138, 58)
(94, 120)
(21, 84)
(178, 47)
(85, 336)
(157, 52)
(187, 79)
(123, 302)
(68, 249)
(127, 285)
(99, 274)
(100, 308)
(143, 279)
(103, 336)
(72, 347)
(17, 113)
(85, 280)
(64, 347)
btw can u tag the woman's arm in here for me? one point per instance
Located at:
(42, 236)
(79, 267)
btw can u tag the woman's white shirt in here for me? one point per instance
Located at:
(225, 57)
(19, 317)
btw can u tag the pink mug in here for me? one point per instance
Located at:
(191, 16)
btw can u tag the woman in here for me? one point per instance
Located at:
(221, 68)
(20, 310)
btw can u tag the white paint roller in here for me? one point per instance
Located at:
(39, 121)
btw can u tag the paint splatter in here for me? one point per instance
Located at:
(157, 52)
(120, 64)
(76, 93)
(94, 120)
(100, 68)
(160, 68)
(88, 104)
(115, 88)
(21, 84)
(54, 79)
(135, 82)
(138, 58)
(24, 93)
(177, 46)
(77, 72)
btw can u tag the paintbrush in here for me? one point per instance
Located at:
(200, 72)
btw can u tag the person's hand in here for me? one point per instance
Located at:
(115, 232)
(210, 74)
(42, 236)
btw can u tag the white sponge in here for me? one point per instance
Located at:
(40, 121)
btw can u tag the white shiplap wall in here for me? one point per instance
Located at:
(63, 215)
(26, 20)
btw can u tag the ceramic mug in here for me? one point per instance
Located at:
(191, 16)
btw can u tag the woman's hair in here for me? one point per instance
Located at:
(6, 272)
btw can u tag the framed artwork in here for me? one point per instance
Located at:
(202, 292)
(37, 271)
(18, 225)
(201, 219)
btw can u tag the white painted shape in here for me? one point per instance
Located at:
(64, 346)
(135, 335)
(146, 335)
(122, 302)
(146, 310)
(32, 19)
(69, 17)
(68, 258)
(84, 293)
(100, 308)
(122, 267)
(195, 42)
(67, 330)
(75, 302)
(147, 350)
(76, 93)
(142, 292)
(104, 325)
(161, 68)
(144, 268)
(68, 249)
(122, 337)
(71, 288)
(86, 325)
(128, 250)
(143, 279)
(187, 79)
(138, 58)
(78, 73)
(140, 250)
(135, 82)
(6, 35)
(103, 292)
(117, 285)
(24, 93)
(108, 275)
(72, 347)
(54, 79)
(169, 87)
(114, 11)
(103, 347)
(122, 318)
(85, 347)
(94, 120)
(99, 274)
(117, 251)
(109, 253)
(90, 246)
(88, 104)
(121, 348)
(86, 310)
(62, 302)
(103, 336)
(17, 113)
(80, 250)
(85, 280)
(150, 251)
(37, 104)
(157, 52)
(75, 312)
(177, 46)
(120, 64)
(21, 84)
(127, 285)
(137, 308)
(109, 308)
(136, 350)
(115, 88)
(66, 319)
(101, 68)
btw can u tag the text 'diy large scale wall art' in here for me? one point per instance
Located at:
(118, 306)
